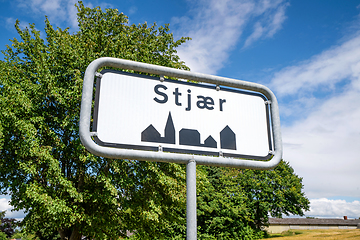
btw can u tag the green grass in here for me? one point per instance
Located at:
(318, 234)
(284, 234)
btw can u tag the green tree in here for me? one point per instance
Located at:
(21, 235)
(3, 236)
(7, 225)
(235, 203)
(63, 189)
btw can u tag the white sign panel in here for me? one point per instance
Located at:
(141, 112)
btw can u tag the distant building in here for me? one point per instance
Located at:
(279, 225)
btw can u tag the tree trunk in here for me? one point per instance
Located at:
(64, 234)
(75, 235)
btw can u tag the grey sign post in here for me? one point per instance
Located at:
(240, 120)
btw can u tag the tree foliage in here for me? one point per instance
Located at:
(3, 236)
(7, 225)
(235, 203)
(62, 188)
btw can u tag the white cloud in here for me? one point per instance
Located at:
(323, 207)
(53, 8)
(216, 27)
(5, 206)
(60, 12)
(10, 24)
(277, 20)
(324, 70)
(324, 147)
(268, 25)
(323, 143)
(72, 14)
(258, 32)
(133, 10)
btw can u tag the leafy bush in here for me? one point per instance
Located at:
(8, 226)
(3, 236)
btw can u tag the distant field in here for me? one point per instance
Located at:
(323, 234)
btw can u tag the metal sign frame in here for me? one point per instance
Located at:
(87, 137)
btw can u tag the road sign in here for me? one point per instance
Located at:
(156, 119)
(145, 113)
(219, 121)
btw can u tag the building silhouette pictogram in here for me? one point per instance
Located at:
(150, 134)
(188, 137)
(227, 139)
(191, 137)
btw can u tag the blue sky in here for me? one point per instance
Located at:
(307, 52)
